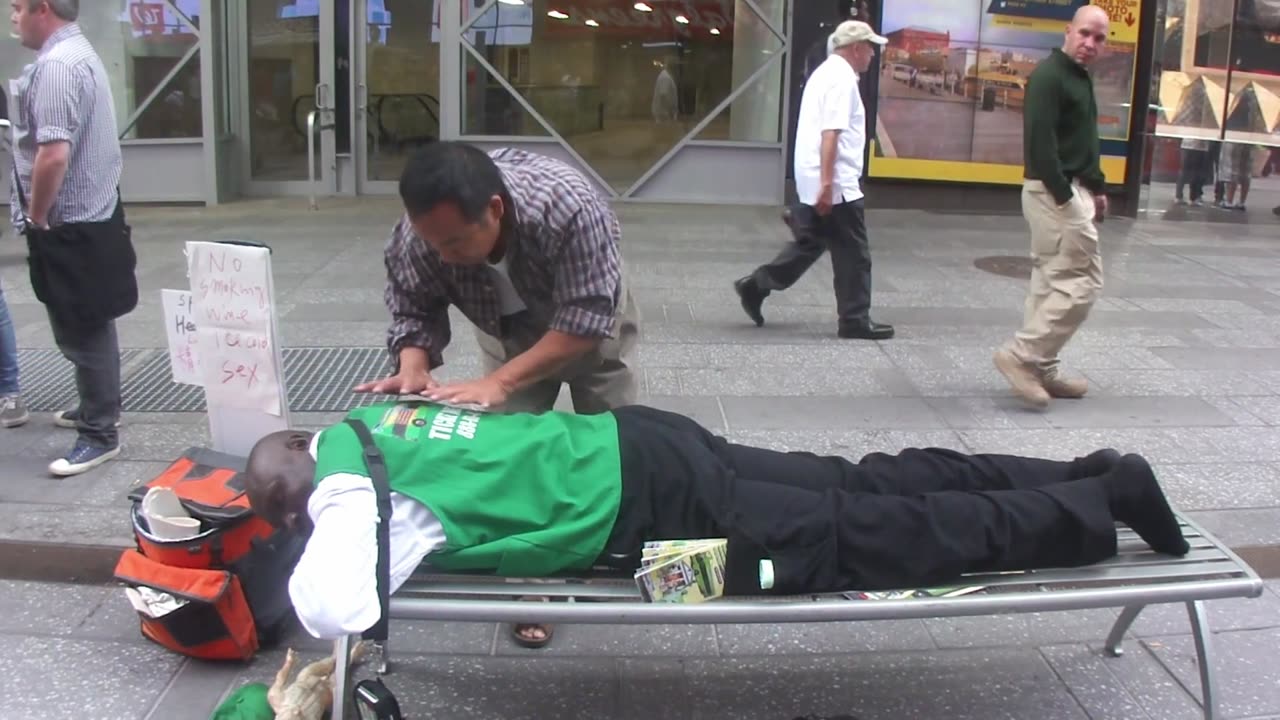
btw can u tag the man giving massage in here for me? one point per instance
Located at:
(534, 494)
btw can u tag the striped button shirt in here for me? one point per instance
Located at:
(562, 257)
(65, 95)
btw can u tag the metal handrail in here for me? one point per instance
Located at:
(311, 155)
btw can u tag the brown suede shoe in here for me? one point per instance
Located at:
(1068, 388)
(1022, 377)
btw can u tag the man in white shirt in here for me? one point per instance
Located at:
(831, 138)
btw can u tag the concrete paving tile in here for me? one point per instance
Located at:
(796, 413)
(1242, 527)
(1147, 319)
(323, 312)
(156, 443)
(744, 332)
(820, 638)
(1021, 628)
(336, 333)
(1244, 664)
(992, 683)
(1197, 305)
(66, 523)
(196, 691)
(1148, 682)
(662, 382)
(1235, 338)
(1157, 445)
(1236, 408)
(704, 410)
(60, 677)
(1231, 614)
(1126, 412)
(1092, 684)
(1219, 486)
(1123, 383)
(652, 688)
(825, 382)
(1219, 359)
(461, 688)
(775, 314)
(994, 413)
(1266, 409)
(619, 641)
(852, 445)
(46, 609)
(1241, 443)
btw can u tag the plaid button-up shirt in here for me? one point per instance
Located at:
(562, 256)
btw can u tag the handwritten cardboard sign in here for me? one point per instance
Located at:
(235, 326)
(180, 327)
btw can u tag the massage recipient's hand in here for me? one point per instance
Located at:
(409, 381)
(487, 391)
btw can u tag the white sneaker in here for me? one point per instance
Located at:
(13, 411)
(82, 458)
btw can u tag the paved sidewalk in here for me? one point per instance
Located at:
(1183, 354)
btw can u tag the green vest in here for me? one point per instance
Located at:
(520, 494)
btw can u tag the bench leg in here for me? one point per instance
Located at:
(1204, 652)
(1121, 627)
(341, 676)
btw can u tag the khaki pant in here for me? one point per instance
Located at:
(1066, 273)
(601, 380)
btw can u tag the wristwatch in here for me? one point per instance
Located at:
(28, 224)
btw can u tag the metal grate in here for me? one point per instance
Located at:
(49, 381)
(318, 379)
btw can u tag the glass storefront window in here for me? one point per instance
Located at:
(149, 48)
(623, 81)
(1216, 88)
(403, 81)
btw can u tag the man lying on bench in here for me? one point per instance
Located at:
(530, 495)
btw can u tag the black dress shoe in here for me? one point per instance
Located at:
(870, 331)
(752, 298)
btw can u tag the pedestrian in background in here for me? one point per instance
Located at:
(66, 200)
(1062, 195)
(831, 138)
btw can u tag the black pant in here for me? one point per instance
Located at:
(1194, 172)
(917, 519)
(95, 353)
(844, 232)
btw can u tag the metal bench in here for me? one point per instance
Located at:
(1135, 578)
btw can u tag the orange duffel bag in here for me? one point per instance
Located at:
(222, 591)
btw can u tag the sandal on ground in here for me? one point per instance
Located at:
(517, 629)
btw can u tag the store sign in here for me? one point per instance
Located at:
(621, 18)
(952, 108)
(152, 19)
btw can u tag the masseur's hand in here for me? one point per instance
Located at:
(409, 381)
(488, 391)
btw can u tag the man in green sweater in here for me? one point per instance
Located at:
(1062, 196)
(529, 495)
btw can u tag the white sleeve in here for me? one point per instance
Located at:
(837, 104)
(334, 585)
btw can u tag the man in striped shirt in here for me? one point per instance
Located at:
(67, 166)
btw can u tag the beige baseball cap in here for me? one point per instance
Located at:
(854, 31)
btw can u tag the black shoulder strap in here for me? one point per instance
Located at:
(378, 473)
(17, 184)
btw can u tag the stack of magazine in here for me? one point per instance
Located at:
(682, 571)
(909, 594)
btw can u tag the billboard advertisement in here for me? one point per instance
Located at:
(953, 77)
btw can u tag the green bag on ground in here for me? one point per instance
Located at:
(247, 703)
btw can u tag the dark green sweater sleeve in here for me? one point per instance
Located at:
(1041, 110)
